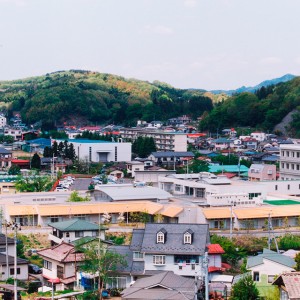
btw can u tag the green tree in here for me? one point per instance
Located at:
(14, 170)
(289, 241)
(244, 289)
(233, 252)
(98, 260)
(74, 197)
(297, 260)
(47, 152)
(36, 161)
(33, 184)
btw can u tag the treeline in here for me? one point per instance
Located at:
(94, 97)
(263, 109)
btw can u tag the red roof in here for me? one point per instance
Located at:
(229, 175)
(215, 249)
(215, 269)
(20, 161)
(226, 266)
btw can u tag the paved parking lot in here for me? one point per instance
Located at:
(81, 184)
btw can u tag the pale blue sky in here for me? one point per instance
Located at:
(209, 44)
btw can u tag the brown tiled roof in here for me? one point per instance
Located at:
(63, 252)
(291, 281)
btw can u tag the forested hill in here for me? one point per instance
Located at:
(89, 97)
(262, 110)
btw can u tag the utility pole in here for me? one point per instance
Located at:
(205, 274)
(271, 234)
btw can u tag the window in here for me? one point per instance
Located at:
(271, 278)
(288, 186)
(60, 272)
(47, 264)
(12, 271)
(2, 249)
(78, 234)
(160, 238)
(255, 276)
(187, 238)
(67, 234)
(298, 154)
(186, 259)
(193, 266)
(159, 259)
(276, 187)
(138, 256)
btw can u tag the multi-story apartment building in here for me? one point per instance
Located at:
(164, 141)
(289, 162)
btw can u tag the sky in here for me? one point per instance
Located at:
(206, 44)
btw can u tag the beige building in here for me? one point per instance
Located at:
(260, 172)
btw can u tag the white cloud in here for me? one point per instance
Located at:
(271, 60)
(158, 29)
(297, 60)
(15, 2)
(190, 3)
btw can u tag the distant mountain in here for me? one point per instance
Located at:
(252, 89)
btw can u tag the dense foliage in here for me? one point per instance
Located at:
(264, 109)
(143, 146)
(244, 289)
(82, 96)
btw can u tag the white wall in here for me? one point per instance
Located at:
(171, 266)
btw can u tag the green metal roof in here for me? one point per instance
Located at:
(75, 225)
(281, 202)
(228, 168)
(270, 255)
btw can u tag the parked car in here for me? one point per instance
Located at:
(34, 269)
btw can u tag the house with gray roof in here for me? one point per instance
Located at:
(73, 229)
(165, 285)
(266, 266)
(161, 247)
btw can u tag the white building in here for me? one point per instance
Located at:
(259, 136)
(2, 121)
(164, 141)
(101, 151)
(289, 162)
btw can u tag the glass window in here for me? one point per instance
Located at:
(78, 233)
(159, 259)
(47, 264)
(255, 276)
(160, 238)
(187, 238)
(138, 256)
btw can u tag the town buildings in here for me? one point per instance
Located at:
(164, 141)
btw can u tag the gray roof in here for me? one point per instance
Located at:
(2, 239)
(270, 255)
(174, 239)
(74, 225)
(20, 261)
(133, 193)
(4, 151)
(173, 154)
(137, 239)
(165, 285)
(132, 267)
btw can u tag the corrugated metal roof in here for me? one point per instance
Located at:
(84, 208)
(172, 211)
(216, 213)
(133, 193)
(74, 225)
